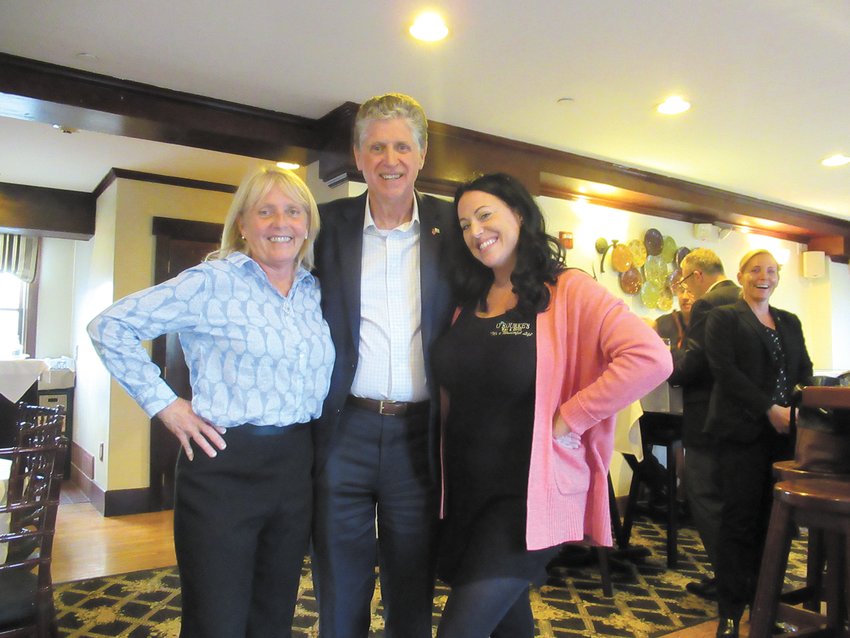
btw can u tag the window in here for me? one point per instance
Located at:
(13, 293)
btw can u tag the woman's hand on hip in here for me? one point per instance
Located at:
(182, 422)
(780, 418)
(563, 435)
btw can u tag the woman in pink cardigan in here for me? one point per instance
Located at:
(534, 369)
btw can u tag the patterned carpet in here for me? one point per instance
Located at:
(649, 600)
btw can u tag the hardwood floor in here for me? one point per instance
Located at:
(88, 544)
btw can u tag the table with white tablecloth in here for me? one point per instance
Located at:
(17, 382)
(18, 375)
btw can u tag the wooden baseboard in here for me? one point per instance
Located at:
(111, 502)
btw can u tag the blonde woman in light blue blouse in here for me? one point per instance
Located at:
(260, 356)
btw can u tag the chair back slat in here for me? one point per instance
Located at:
(30, 508)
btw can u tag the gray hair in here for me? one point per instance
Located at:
(391, 106)
(704, 260)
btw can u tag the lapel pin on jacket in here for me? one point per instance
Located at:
(435, 231)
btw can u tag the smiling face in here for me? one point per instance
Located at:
(490, 230)
(759, 278)
(390, 159)
(275, 228)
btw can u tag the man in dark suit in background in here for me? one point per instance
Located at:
(703, 275)
(382, 260)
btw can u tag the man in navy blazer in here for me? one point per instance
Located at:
(704, 276)
(382, 260)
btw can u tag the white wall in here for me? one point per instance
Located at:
(813, 300)
(94, 274)
(55, 298)
(839, 276)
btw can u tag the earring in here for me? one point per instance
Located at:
(307, 235)
(243, 237)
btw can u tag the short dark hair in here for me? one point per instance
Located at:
(540, 258)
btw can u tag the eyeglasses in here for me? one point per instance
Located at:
(682, 281)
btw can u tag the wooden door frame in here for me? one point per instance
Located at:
(166, 230)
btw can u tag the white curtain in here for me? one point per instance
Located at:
(19, 256)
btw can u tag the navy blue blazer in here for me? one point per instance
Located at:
(339, 251)
(739, 356)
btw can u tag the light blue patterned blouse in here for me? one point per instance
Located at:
(254, 356)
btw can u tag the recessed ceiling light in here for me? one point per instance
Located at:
(290, 166)
(673, 105)
(839, 159)
(603, 189)
(429, 27)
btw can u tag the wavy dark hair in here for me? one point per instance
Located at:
(540, 258)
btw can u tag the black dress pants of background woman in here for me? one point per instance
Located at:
(746, 471)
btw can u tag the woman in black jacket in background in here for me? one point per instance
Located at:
(757, 355)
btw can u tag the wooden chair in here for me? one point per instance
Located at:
(664, 429)
(26, 584)
(37, 424)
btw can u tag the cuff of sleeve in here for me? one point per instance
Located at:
(162, 399)
(576, 417)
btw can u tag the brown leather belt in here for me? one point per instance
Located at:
(388, 408)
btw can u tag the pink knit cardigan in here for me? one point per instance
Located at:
(594, 357)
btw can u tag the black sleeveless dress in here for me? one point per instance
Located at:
(488, 366)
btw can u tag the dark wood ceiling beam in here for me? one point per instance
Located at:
(47, 93)
(52, 212)
(51, 94)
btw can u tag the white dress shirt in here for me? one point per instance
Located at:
(391, 363)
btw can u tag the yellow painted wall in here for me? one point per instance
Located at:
(122, 262)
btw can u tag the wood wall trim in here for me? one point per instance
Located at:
(48, 93)
(46, 211)
(153, 178)
(173, 228)
(837, 248)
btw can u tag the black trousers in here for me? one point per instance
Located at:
(746, 483)
(241, 530)
(378, 468)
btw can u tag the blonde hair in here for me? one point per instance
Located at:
(253, 188)
(754, 253)
(392, 106)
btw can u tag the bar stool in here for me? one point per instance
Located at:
(818, 504)
(811, 594)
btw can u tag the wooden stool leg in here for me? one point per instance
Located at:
(605, 571)
(631, 503)
(672, 509)
(772, 574)
(815, 561)
(834, 574)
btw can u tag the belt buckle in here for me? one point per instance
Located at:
(388, 404)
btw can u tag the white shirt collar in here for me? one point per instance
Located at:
(369, 222)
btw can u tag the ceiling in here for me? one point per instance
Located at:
(767, 79)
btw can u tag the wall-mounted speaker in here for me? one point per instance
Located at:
(814, 264)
